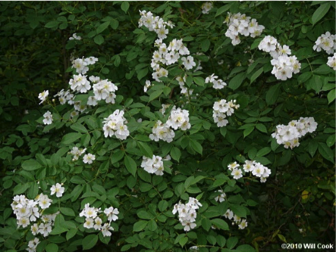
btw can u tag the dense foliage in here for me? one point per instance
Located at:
(218, 136)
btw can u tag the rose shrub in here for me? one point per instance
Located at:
(167, 126)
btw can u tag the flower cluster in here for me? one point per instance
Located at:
(93, 218)
(65, 97)
(206, 7)
(289, 135)
(103, 90)
(217, 83)
(154, 23)
(221, 109)
(153, 165)
(167, 55)
(178, 119)
(161, 131)
(326, 42)
(27, 211)
(81, 64)
(240, 24)
(256, 168)
(242, 223)
(283, 65)
(187, 213)
(115, 124)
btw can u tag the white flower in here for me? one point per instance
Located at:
(47, 118)
(236, 173)
(89, 223)
(43, 201)
(111, 213)
(242, 224)
(153, 165)
(228, 214)
(221, 197)
(89, 158)
(332, 62)
(34, 229)
(206, 7)
(75, 37)
(58, 189)
(98, 223)
(43, 96)
(33, 244)
(188, 62)
(45, 229)
(106, 230)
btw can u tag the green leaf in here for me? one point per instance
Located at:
(273, 94)
(237, 81)
(195, 145)
(51, 247)
(140, 225)
(163, 205)
(78, 127)
(152, 226)
(331, 141)
(205, 44)
(125, 6)
(320, 12)
(248, 130)
(199, 81)
(206, 224)
(31, 165)
(67, 211)
(246, 248)
(71, 233)
(102, 27)
(145, 149)
(256, 74)
(223, 9)
(142, 214)
(52, 24)
(70, 138)
(155, 94)
(175, 153)
(238, 210)
(219, 223)
(183, 241)
(331, 96)
(130, 165)
(114, 23)
(98, 39)
(312, 147)
(264, 151)
(89, 241)
(231, 242)
(326, 152)
(261, 128)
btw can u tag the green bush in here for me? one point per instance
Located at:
(198, 141)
